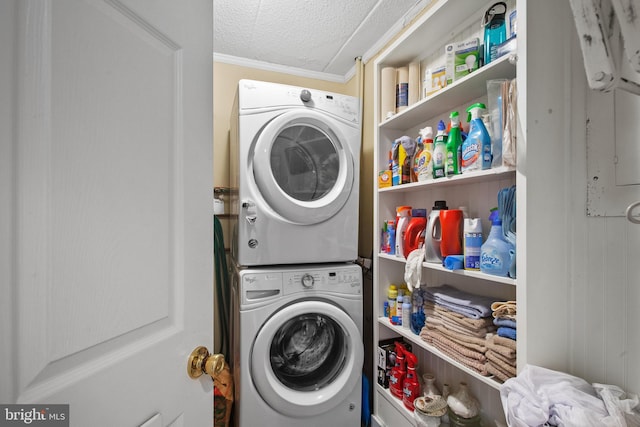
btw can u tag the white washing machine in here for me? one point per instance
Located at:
(297, 346)
(294, 160)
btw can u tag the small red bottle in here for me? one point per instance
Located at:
(398, 372)
(411, 386)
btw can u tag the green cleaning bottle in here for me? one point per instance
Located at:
(454, 146)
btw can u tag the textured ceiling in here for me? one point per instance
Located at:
(317, 36)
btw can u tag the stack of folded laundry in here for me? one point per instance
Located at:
(457, 324)
(501, 347)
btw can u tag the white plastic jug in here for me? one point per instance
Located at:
(434, 235)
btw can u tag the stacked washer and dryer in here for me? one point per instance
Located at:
(296, 297)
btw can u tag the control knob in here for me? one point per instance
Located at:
(307, 281)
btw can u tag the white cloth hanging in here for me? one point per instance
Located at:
(413, 268)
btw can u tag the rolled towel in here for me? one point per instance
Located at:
(462, 350)
(504, 367)
(504, 309)
(483, 322)
(508, 360)
(473, 364)
(503, 321)
(494, 344)
(497, 372)
(506, 332)
(475, 343)
(433, 321)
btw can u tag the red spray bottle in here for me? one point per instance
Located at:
(411, 386)
(396, 380)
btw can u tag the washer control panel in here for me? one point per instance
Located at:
(345, 279)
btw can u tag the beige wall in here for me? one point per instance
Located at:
(225, 83)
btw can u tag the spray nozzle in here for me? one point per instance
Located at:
(474, 110)
(455, 118)
(426, 133)
(494, 217)
(400, 350)
(412, 360)
(441, 126)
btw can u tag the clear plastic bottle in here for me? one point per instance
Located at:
(406, 311)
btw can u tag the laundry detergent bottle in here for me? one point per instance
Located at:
(402, 222)
(414, 234)
(454, 146)
(433, 235)
(398, 372)
(411, 385)
(476, 149)
(439, 157)
(496, 254)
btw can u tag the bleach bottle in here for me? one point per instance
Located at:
(496, 254)
(476, 149)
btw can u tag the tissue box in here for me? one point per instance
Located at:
(387, 359)
(466, 58)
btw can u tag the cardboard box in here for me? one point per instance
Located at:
(435, 79)
(466, 58)
(387, 359)
(384, 179)
(449, 62)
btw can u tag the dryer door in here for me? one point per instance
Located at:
(303, 166)
(307, 358)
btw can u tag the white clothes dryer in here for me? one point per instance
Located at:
(297, 346)
(295, 161)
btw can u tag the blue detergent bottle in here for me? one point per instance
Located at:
(496, 254)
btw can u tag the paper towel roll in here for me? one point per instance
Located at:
(387, 92)
(414, 82)
(402, 89)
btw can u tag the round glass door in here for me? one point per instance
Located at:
(307, 357)
(303, 167)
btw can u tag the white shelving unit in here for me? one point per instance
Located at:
(477, 191)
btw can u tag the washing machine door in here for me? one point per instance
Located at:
(303, 166)
(307, 358)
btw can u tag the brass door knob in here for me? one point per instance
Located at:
(201, 362)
